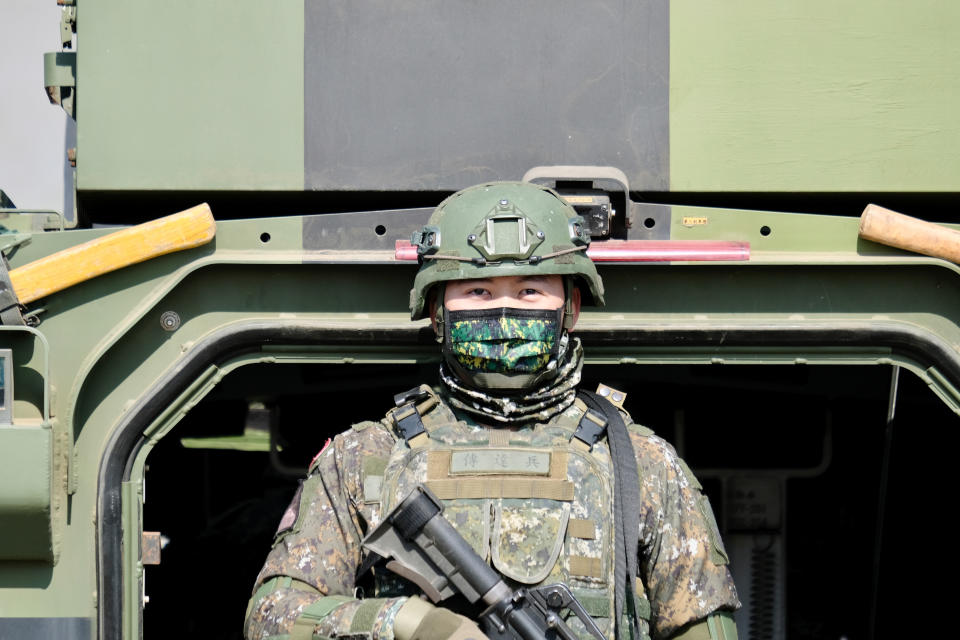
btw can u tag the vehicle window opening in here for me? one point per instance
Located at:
(791, 458)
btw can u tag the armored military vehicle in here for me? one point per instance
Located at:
(154, 420)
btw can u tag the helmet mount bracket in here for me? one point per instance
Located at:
(505, 235)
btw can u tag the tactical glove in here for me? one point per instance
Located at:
(420, 620)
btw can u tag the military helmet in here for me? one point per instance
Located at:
(502, 229)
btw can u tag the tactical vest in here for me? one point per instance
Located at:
(537, 503)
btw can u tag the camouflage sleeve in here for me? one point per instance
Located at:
(682, 559)
(306, 585)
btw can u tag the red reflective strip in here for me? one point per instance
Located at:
(641, 250)
(403, 250)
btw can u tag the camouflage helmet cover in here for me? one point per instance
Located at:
(502, 229)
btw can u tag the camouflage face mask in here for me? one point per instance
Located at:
(504, 340)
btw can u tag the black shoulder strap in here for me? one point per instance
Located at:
(406, 416)
(626, 510)
(591, 428)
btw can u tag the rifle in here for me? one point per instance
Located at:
(425, 548)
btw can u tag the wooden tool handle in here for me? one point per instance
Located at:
(897, 230)
(184, 230)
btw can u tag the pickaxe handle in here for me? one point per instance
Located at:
(184, 230)
(904, 232)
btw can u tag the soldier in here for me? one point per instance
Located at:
(524, 464)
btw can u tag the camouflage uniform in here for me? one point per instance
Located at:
(484, 476)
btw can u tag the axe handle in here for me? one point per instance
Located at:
(904, 232)
(184, 230)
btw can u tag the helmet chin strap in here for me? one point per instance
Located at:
(438, 314)
(568, 317)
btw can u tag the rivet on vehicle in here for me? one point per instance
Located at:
(471, 238)
(540, 234)
(170, 321)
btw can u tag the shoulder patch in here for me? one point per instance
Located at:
(373, 469)
(615, 396)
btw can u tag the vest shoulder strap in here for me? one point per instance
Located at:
(593, 425)
(411, 405)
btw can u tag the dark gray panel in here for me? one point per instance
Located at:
(362, 231)
(649, 221)
(44, 629)
(442, 94)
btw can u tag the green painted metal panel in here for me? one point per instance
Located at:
(187, 95)
(814, 96)
(110, 356)
(25, 492)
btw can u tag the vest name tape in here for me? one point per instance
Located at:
(484, 461)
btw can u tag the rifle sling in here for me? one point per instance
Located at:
(626, 507)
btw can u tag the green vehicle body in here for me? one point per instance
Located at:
(812, 385)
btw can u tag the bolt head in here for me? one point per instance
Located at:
(170, 321)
